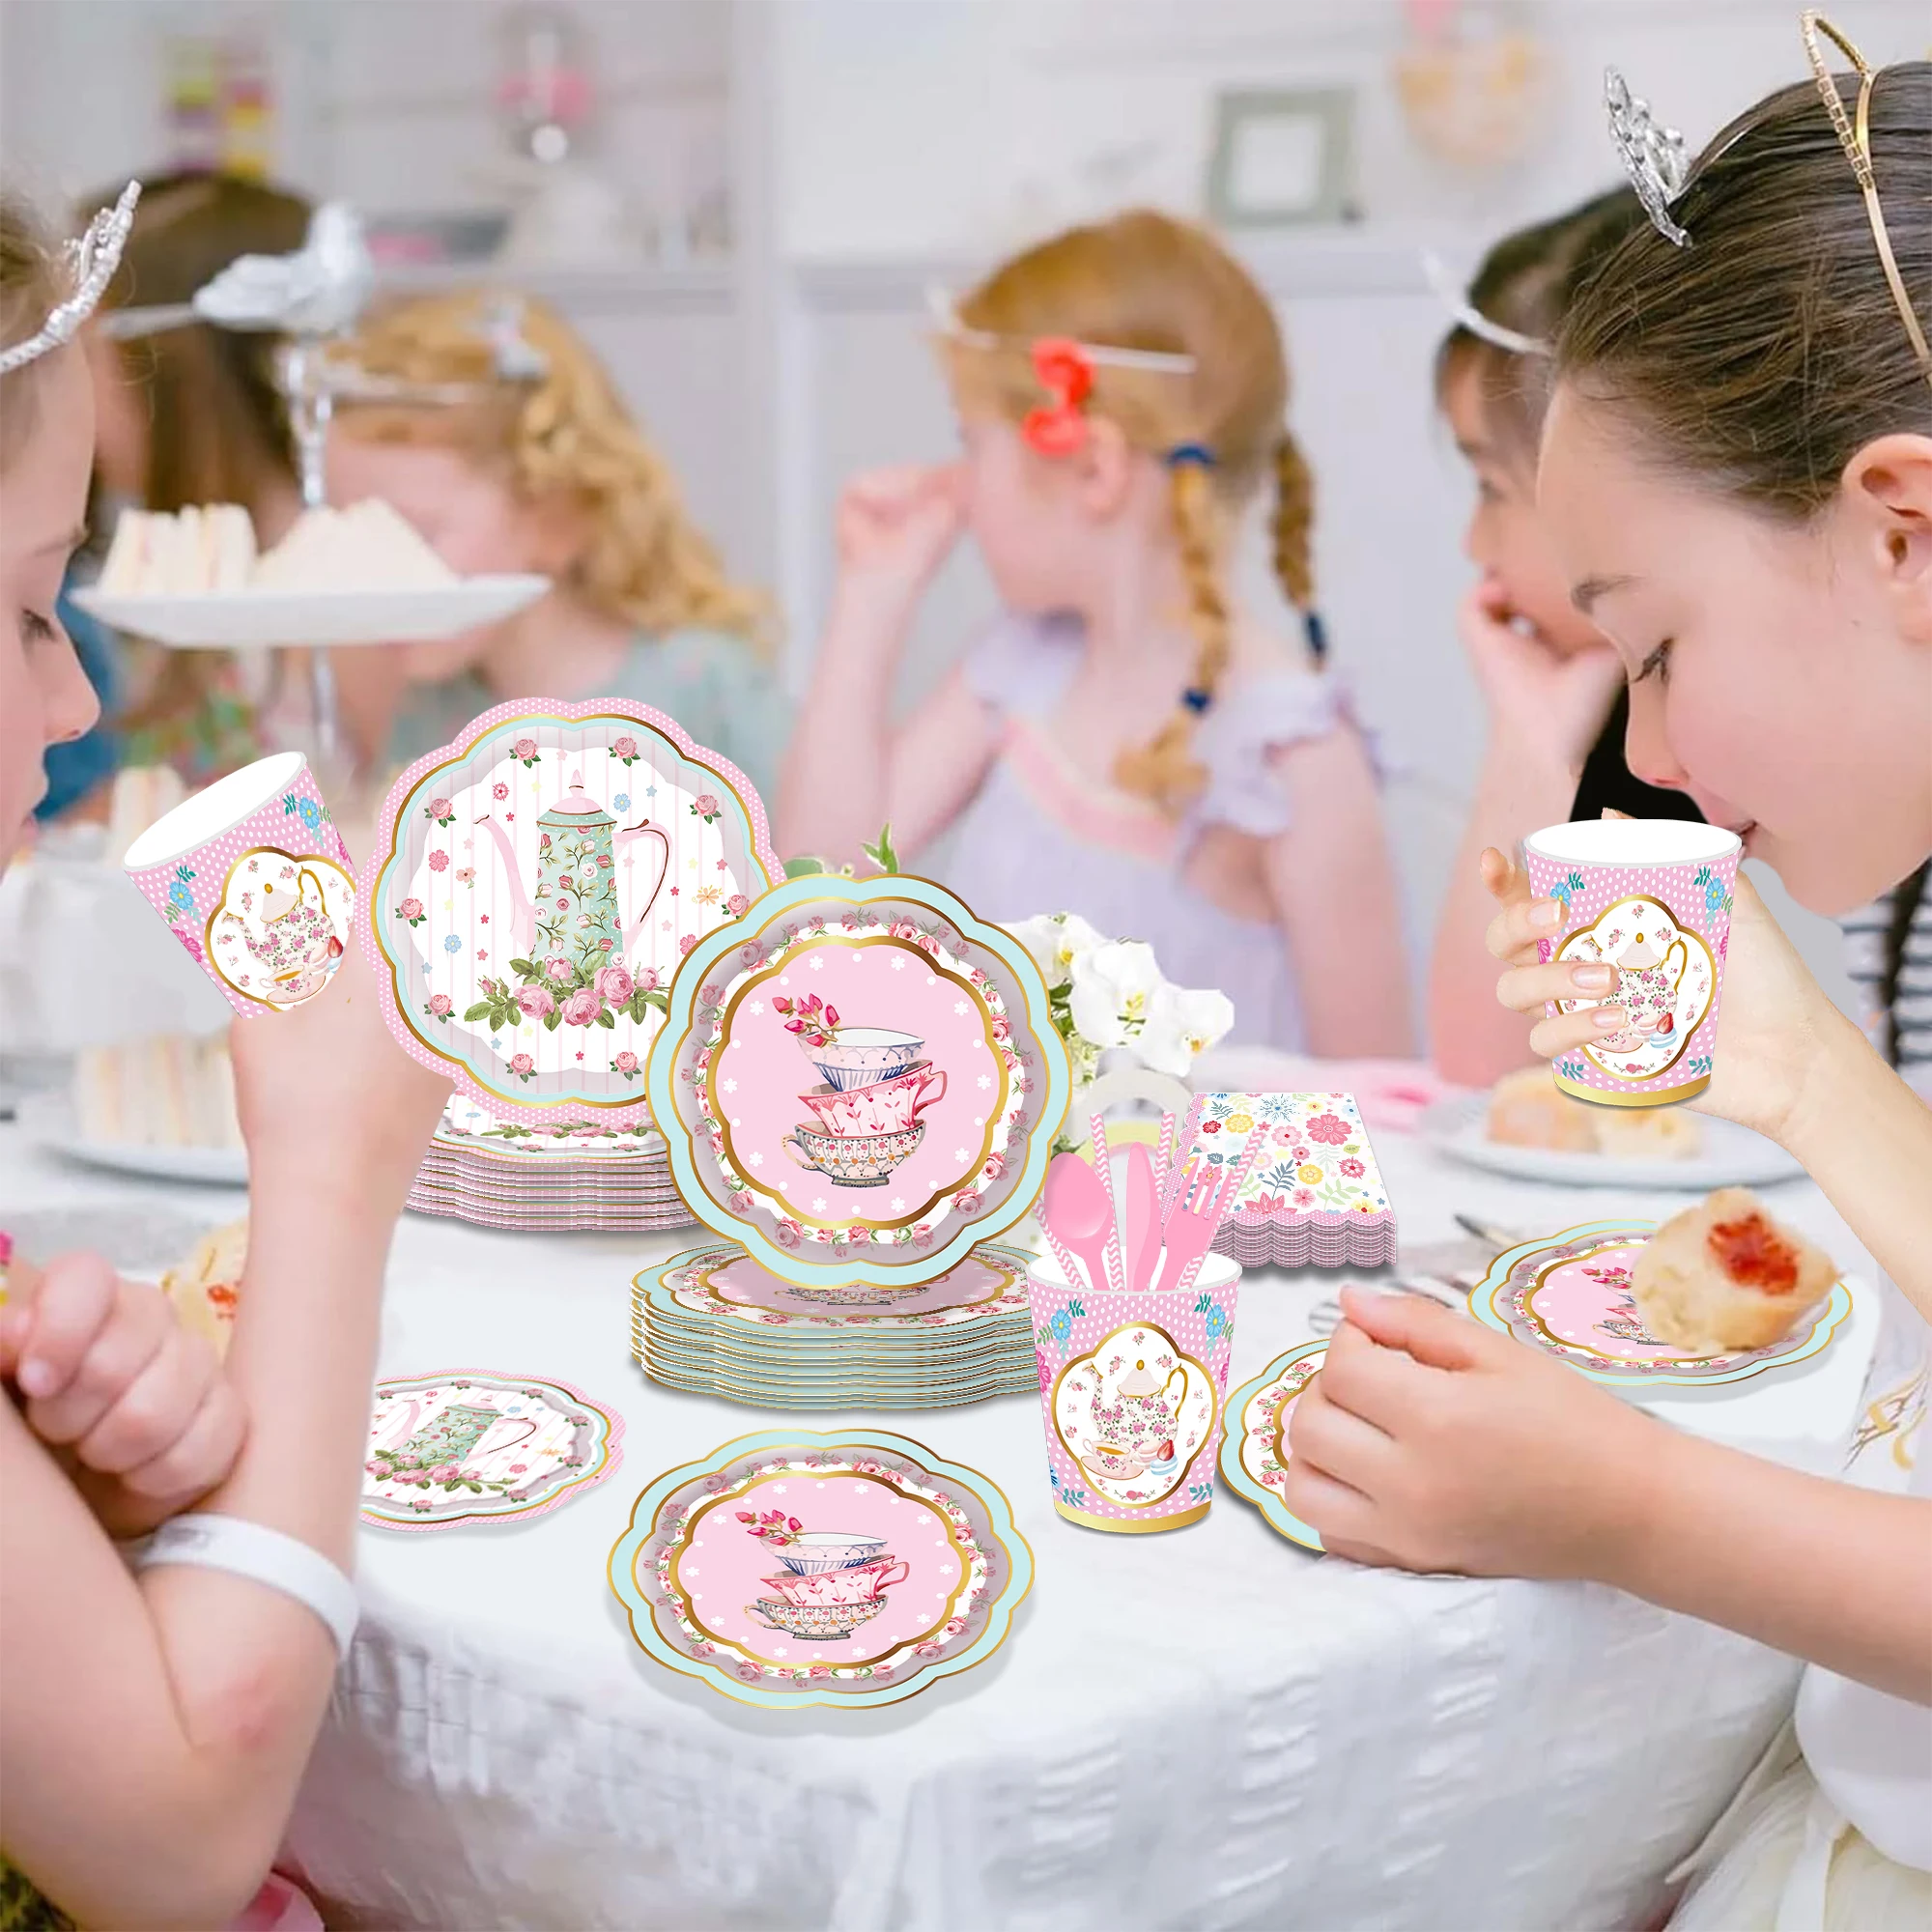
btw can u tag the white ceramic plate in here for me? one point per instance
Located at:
(203, 1167)
(235, 619)
(1733, 1156)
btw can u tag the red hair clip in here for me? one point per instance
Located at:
(1065, 372)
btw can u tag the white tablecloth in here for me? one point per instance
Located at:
(1207, 1731)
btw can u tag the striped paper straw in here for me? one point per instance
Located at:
(1161, 1147)
(1075, 1274)
(1104, 1166)
(1231, 1193)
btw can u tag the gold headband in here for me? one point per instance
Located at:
(1855, 140)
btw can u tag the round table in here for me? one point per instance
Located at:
(1208, 1730)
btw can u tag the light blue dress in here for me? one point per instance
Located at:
(714, 683)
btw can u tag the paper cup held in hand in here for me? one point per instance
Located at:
(1132, 1391)
(1651, 900)
(254, 880)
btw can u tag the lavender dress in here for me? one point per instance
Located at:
(1039, 838)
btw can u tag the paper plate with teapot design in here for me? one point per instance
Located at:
(859, 1081)
(1254, 1452)
(791, 1569)
(1568, 1294)
(537, 883)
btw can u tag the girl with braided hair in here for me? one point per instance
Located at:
(1128, 742)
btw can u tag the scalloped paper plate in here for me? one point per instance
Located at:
(1254, 1452)
(1569, 1295)
(547, 838)
(781, 1619)
(901, 983)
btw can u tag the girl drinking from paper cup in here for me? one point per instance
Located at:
(488, 422)
(1128, 741)
(158, 1704)
(1736, 475)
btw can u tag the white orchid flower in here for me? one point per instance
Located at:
(1181, 1025)
(1055, 940)
(1113, 989)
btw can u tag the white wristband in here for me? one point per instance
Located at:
(247, 1549)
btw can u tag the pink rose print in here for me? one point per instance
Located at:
(737, 905)
(707, 805)
(499, 793)
(625, 747)
(625, 1064)
(535, 1002)
(522, 1065)
(525, 750)
(1330, 1128)
(438, 810)
(615, 984)
(647, 980)
(604, 862)
(556, 967)
(438, 861)
(412, 910)
(582, 1008)
(1353, 1169)
(441, 1004)
(741, 1204)
(565, 883)
(689, 940)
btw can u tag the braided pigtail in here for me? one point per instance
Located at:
(1165, 771)
(1293, 533)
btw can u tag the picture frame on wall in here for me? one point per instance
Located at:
(1282, 158)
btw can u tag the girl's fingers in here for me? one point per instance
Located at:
(132, 1337)
(1342, 1516)
(1522, 922)
(155, 1410)
(1338, 1443)
(1524, 989)
(1568, 1031)
(201, 1456)
(76, 1300)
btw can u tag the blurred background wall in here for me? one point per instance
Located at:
(769, 186)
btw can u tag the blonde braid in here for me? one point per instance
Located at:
(1166, 771)
(1293, 523)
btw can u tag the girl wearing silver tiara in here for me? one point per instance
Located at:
(1737, 473)
(155, 1718)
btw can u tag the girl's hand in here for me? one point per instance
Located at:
(112, 1379)
(1771, 1017)
(1537, 697)
(1430, 1443)
(895, 528)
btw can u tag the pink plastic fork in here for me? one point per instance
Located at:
(1192, 1226)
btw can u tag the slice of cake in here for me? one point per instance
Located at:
(1648, 1133)
(199, 550)
(171, 1090)
(206, 1288)
(1527, 1109)
(1724, 1276)
(368, 547)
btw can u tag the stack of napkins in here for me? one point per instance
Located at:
(564, 1176)
(713, 1321)
(1313, 1197)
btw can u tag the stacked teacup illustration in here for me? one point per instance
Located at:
(832, 1580)
(866, 1113)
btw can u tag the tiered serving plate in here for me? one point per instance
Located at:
(792, 1570)
(1254, 1452)
(859, 1081)
(1569, 1295)
(562, 1176)
(239, 619)
(470, 1445)
(535, 887)
(714, 1322)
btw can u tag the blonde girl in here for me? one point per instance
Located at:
(1128, 741)
(487, 422)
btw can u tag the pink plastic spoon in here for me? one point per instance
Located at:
(1079, 1208)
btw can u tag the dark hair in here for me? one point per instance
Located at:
(1526, 283)
(218, 426)
(1765, 354)
(31, 283)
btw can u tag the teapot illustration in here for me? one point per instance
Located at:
(295, 945)
(1640, 941)
(1136, 1429)
(575, 911)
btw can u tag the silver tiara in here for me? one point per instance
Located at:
(1454, 299)
(91, 264)
(1653, 156)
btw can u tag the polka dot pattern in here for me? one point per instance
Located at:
(1676, 1043)
(187, 889)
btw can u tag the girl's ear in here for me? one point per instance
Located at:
(1888, 487)
(1104, 468)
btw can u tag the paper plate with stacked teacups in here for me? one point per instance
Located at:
(715, 1321)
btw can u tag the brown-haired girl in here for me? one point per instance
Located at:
(490, 424)
(1128, 742)
(1736, 475)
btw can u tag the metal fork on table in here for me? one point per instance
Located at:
(1449, 1289)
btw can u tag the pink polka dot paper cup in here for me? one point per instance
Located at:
(253, 878)
(1650, 898)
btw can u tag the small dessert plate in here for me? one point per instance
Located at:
(1568, 1294)
(1254, 1452)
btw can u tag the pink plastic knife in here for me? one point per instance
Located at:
(1142, 1217)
